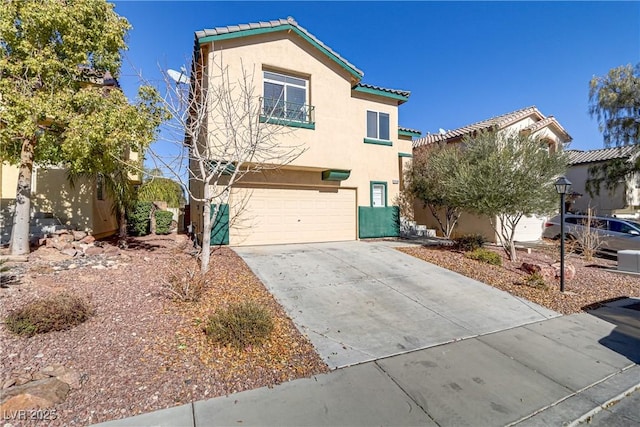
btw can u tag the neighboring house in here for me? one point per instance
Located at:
(344, 184)
(527, 120)
(55, 203)
(624, 201)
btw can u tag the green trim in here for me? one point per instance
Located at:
(381, 93)
(378, 222)
(285, 27)
(285, 122)
(371, 184)
(335, 175)
(378, 141)
(220, 227)
(408, 133)
(405, 155)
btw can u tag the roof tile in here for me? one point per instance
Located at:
(577, 156)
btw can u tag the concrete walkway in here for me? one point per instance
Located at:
(555, 372)
(362, 301)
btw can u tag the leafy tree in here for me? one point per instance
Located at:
(615, 102)
(504, 177)
(430, 178)
(162, 189)
(53, 55)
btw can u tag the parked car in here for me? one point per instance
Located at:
(615, 234)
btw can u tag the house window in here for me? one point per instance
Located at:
(286, 97)
(377, 125)
(100, 187)
(378, 194)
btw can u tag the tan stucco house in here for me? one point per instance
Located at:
(624, 201)
(527, 120)
(343, 186)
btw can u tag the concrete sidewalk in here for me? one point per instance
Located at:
(550, 373)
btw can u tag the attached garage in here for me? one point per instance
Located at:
(280, 215)
(529, 228)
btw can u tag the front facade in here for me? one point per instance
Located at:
(343, 185)
(624, 201)
(527, 120)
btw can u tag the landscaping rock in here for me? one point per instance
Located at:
(88, 239)
(94, 250)
(569, 270)
(111, 251)
(70, 251)
(545, 270)
(35, 394)
(61, 231)
(78, 235)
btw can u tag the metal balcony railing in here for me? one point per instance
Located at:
(278, 109)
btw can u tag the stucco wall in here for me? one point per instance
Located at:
(467, 224)
(605, 203)
(337, 142)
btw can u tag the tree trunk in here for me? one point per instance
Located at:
(152, 219)
(22, 215)
(122, 221)
(206, 231)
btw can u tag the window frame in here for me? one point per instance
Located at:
(377, 136)
(286, 85)
(384, 186)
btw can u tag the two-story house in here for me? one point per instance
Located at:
(343, 185)
(526, 120)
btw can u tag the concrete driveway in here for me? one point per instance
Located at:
(361, 301)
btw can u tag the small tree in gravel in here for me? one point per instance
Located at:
(218, 133)
(506, 176)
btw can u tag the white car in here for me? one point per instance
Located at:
(616, 234)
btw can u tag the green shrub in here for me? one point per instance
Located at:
(485, 255)
(535, 280)
(55, 313)
(469, 242)
(163, 222)
(138, 218)
(240, 324)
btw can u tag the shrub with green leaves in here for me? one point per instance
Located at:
(240, 324)
(485, 255)
(535, 280)
(163, 222)
(55, 313)
(138, 218)
(469, 242)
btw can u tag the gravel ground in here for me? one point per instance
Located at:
(592, 284)
(144, 351)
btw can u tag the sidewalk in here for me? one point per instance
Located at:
(554, 372)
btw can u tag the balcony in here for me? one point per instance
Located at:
(279, 112)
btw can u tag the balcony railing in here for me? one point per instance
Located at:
(279, 111)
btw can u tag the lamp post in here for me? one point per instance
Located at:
(562, 187)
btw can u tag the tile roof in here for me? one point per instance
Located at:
(285, 23)
(404, 93)
(497, 121)
(404, 129)
(577, 156)
(548, 121)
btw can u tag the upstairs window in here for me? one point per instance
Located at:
(286, 97)
(377, 125)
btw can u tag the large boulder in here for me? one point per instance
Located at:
(569, 270)
(547, 272)
(34, 395)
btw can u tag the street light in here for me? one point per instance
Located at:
(562, 187)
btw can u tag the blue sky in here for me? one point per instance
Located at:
(462, 61)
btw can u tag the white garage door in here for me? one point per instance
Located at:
(273, 216)
(529, 228)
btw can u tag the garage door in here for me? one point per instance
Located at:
(273, 216)
(529, 228)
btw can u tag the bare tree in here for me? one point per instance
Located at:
(219, 133)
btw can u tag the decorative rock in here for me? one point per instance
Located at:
(64, 374)
(67, 238)
(36, 394)
(93, 251)
(78, 235)
(99, 267)
(569, 270)
(70, 251)
(72, 266)
(23, 379)
(8, 383)
(88, 239)
(111, 251)
(60, 232)
(545, 270)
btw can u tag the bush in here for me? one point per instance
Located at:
(485, 255)
(535, 280)
(138, 218)
(186, 285)
(163, 222)
(240, 324)
(469, 242)
(55, 313)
